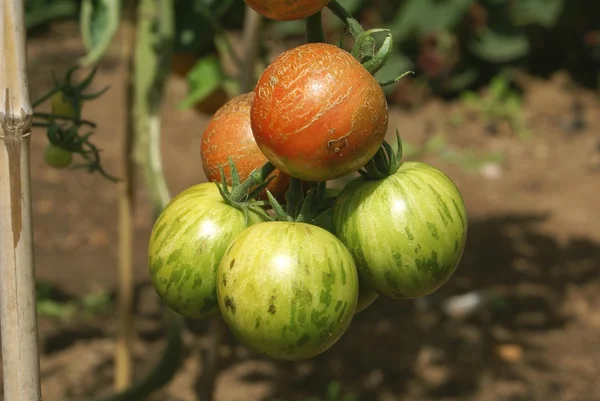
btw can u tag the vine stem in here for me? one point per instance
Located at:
(18, 312)
(339, 11)
(314, 29)
(252, 28)
(126, 188)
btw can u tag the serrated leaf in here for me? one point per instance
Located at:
(496, 48)
(99, 21)
(203, 79)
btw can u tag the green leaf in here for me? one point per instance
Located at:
(496, 48)
(542, 12)
(417, 17)
(203, 79)
(99, 21)
(40, 14)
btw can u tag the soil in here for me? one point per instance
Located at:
(534, 244)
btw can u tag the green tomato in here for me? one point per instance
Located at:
(287, 289)
(407, 232)
(186, 245)
(56, 156)
(366, 296)
(61, 105)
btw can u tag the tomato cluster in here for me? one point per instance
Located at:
(285, 261)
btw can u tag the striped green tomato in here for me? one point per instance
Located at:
(186, 245)
(287, 289)
(407, 232)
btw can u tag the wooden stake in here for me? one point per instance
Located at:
(18, 312)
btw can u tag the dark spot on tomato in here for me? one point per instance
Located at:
(397, 258)
(232, 263)
(409, 234)
(338, 305)
(197, 282)
(433, 230)
(303, 340)
(230, 304)
(391, 280)
(308, 230)
(257, 323)
(430, 265)
(455, 246)
(224, 281)
(272, 310)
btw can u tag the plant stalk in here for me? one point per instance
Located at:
(18, 311)
(126, 332)
(314, 29)
(252, 29)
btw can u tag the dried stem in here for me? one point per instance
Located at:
(18, 313)
(126, 332)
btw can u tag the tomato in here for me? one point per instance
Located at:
(366, 296)
(287, 289)
(56, 156)
(61, 105)
(186, 245)
(285, 10)
(229, 133)
(407, 232)
(317, 113)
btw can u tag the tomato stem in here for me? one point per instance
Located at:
(314, 29)
(339, 11)
(294, 197)
(240, 191)
(385, 162)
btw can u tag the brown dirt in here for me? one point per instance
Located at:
(534, 238)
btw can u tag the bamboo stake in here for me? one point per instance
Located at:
(18, 312)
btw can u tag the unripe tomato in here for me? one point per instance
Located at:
(63, 106)
(318, 114)
(286, 10)
(287, 289)
(56, 156)
(186, 245)
(406, 232)
(229, 133)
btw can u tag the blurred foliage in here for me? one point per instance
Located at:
(452, 45)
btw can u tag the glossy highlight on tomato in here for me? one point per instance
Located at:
(406, 232)
(287, 10)
(186, 245)
(287, 289)
(318, 114)
(229, 134)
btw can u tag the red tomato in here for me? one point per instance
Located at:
(285, 10)
(318, 114)
(229, 133)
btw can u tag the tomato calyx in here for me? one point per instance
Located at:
(385, 162)
(239, 194)
(302, 208)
